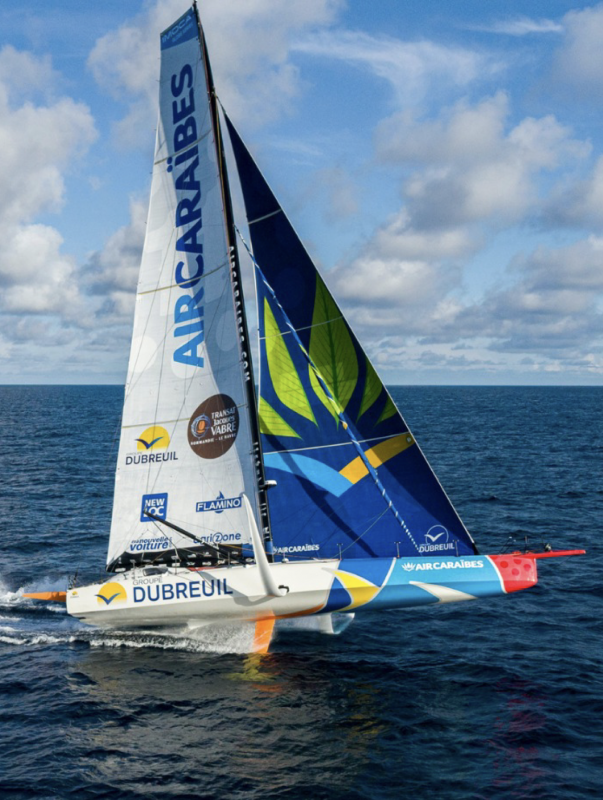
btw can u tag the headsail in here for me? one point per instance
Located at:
(326, 503)
(187, 451)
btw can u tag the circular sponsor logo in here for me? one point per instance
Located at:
(200, 426)
(213, 427)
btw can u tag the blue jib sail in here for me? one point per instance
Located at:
(327, 502)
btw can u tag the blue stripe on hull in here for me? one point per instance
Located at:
(411, 582)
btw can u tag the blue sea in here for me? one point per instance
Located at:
(494, 699)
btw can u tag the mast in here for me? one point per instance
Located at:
(237, 288)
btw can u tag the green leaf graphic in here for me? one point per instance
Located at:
(284, 377)
(332, 350)
(389, 409)
(372, 388)
(271, 422)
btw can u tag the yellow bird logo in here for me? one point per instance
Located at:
(111, 593)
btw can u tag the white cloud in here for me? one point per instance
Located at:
(117, 265)
(37, 145)
(249, 46)
(23, 73)
(339, 191)
(475, 166)
(410, 67)
(548, 320)
(403, 280)
(579, 60)
(36, 276)
(113, 271)
(578, 203)
(520, 26)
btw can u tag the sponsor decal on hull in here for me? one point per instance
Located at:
(183, 590)
(111, 594)
(462, 563)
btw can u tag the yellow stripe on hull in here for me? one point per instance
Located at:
(360, 590)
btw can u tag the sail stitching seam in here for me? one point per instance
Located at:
(223, 265)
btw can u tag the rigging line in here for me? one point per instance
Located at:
(182, 149)
(331, 511)
(260, 496)
(339, 411)
(167, 536)
(305, 328)
(266, 216)
(327, 446)
(372, 525)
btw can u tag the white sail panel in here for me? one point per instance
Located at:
(185, 452)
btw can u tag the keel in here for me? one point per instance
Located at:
(264, 629)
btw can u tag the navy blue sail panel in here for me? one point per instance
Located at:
(327, 501)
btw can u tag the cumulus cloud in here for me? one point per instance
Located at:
(552, 308)
(402, 279)
(473, 172)
(579, 60)
(578, 203)
(339, 191)
(39, 141)
(21, 73)
(475, 166)
(249, 45)
(113, 271)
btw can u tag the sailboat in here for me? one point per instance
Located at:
(309, 497)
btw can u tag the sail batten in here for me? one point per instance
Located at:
(321, 493)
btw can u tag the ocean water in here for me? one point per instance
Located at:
(493, 699)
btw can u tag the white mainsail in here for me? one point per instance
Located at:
(186, 447)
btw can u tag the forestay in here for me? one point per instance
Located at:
(327, 503)
(185, 450)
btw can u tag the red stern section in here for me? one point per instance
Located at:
(517, 572)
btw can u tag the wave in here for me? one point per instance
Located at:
(220, 640)
(11, 600)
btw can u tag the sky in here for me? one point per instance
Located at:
(442, 162)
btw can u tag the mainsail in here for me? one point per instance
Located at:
(189, 448)
(328, 502)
